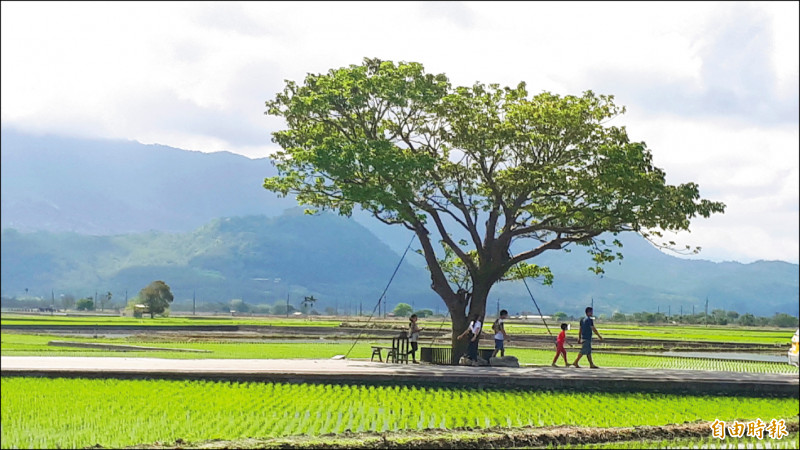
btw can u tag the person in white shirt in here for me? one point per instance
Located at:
(500, 336)
(474, 333)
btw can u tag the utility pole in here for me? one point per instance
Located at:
(498, 306)
(194, 304)
(706, 313)
(52, 302)
(669, 310)
(681, 310)
(287, 302)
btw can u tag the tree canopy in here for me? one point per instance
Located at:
(403, 309)
(496, 164)
(156, 296)
(85, 304)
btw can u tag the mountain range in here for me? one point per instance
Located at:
(82, 215)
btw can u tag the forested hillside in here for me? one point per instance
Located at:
(81, 216)
(259, 259)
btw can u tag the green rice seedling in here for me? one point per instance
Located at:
(41, 412)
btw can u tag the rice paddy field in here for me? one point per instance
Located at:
(107, 320)
(695, 333)
(42, 413)
(74, 413)
(754, 335)
(13, 344)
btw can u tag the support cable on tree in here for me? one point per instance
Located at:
(536, 304)
(382, 296)
(439, 330)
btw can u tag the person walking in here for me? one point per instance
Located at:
(413, 337)
(585, 336)
(500, 336)
(560, 341)
(473, 331)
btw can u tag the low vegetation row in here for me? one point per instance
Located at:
(435, 329)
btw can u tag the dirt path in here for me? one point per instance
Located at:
(466, 439)
(612, 379)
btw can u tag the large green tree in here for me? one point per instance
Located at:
(156, 296)
(85, 304)
(494, 164)
(403, 310)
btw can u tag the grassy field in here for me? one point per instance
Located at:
(12, 344)
(41, 412)
(20, 319)
(696, 333)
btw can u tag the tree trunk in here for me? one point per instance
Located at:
(460, 318)
(457, 303)
(459, 346)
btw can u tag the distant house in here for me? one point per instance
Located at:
(533, 318)
(140, 310)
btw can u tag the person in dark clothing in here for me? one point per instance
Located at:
(585, 336)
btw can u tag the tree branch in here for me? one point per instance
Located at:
(473, 269)
(438, 279)
(458, 202)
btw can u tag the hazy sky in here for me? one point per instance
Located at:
(712, 88)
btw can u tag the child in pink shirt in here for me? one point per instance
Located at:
(562, 338)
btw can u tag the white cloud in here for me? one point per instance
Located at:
(754, 171)
(710, 86)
